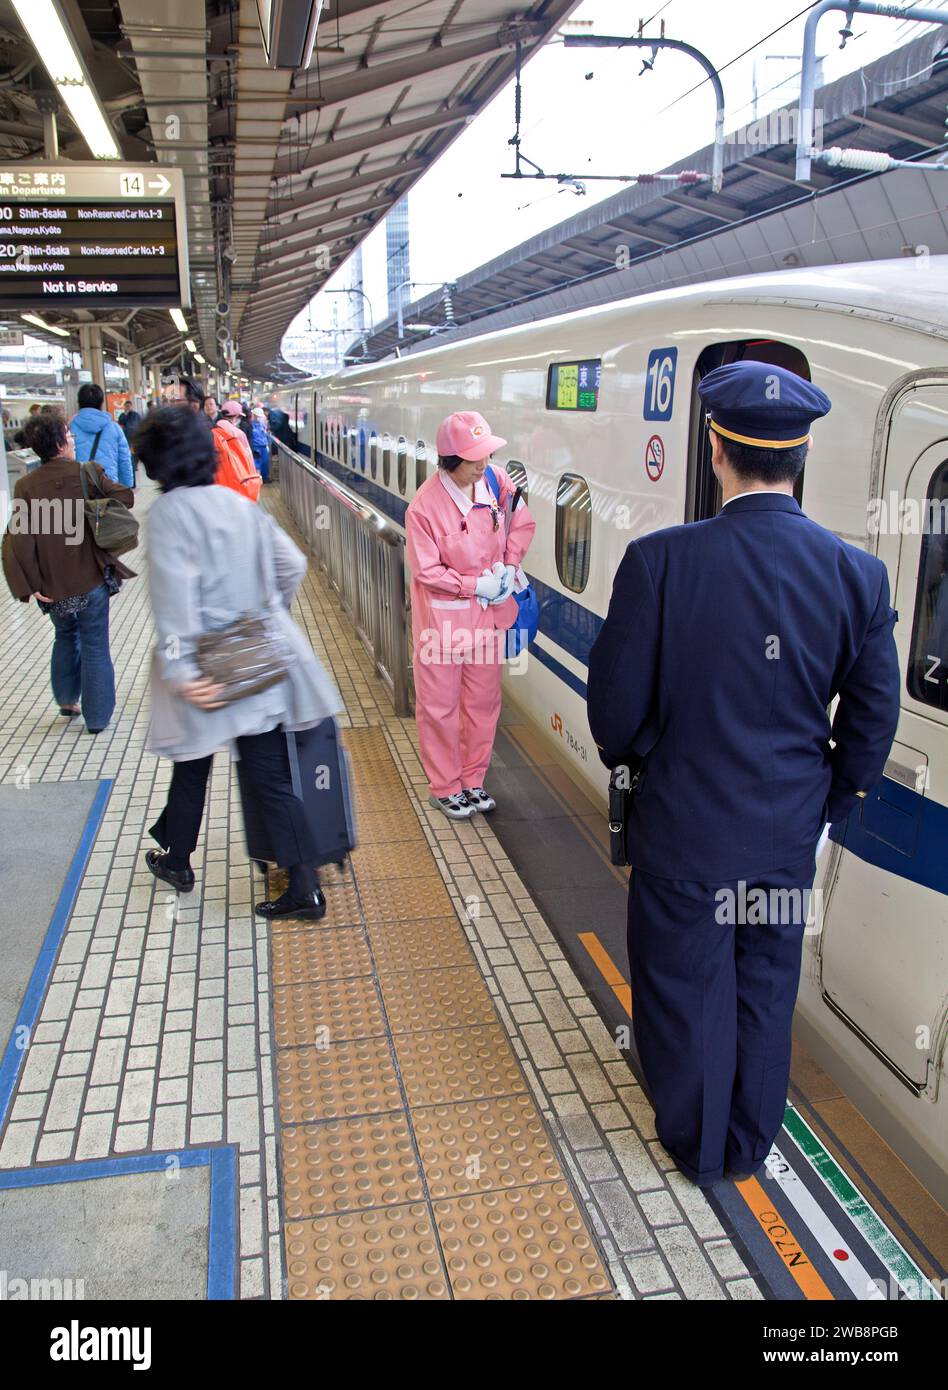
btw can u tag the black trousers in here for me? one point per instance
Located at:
(267, 770)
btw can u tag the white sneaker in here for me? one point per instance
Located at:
(479, 799)
(455, 807)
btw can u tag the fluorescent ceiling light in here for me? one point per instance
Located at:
(178, 319)
(190, 344)
(199, 358)
(47, 327)
(46, 27)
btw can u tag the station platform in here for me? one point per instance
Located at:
(429, 1095)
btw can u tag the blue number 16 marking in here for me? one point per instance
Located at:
(660, 383)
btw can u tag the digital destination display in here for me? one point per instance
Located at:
(574, 385)
(92, 237)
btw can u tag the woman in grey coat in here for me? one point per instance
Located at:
(212, 558)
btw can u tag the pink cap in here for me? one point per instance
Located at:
(468, 435)
(232, 408)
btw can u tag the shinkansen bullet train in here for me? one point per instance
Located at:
(605, 433)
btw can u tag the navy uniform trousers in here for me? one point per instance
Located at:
(712, 1008)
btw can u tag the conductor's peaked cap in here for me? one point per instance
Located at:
(761, 405)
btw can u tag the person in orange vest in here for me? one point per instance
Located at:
(235, 465)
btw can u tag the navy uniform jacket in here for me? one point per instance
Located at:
(725, 642)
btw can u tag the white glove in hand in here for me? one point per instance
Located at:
(489, 585)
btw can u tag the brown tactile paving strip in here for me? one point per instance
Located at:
(356, 1078)
(414, 1163)
(427, 999)
(430, 944)
(347, 1165)
(482, 1145)
(391, 1254)
(341, 954)
(524, 1243)
(322, 1012)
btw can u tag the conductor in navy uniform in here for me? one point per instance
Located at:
(725, 644)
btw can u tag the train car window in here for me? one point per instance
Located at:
(374, 454)
(573, 531)
(361, 450)
(386, 459)
(518, 476)
(928, 660)
(402, 460)
(421, 463)
(703, 494)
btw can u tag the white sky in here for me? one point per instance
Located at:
(462, 213)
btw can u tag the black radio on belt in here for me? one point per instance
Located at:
(623, 784)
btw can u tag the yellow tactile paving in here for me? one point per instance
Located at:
(337, 954)
(382, 828)
(342, 907)
(387, 861)
(429, 944)
(390, 1254)
(427, 999)
(392, 899)
(483, 1145)
(323, 1012)
(458, 1064)
(524, 1243)
(355, 1078)
(349, 1165)
(400, 1096)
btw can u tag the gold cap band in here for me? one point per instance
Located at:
(758, 443)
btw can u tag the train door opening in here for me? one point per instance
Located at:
(884, 944)
(703, 494)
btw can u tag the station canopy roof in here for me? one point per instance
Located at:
(277, 162)
(650, 236)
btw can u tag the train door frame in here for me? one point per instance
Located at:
(702, 490)
(916, 773)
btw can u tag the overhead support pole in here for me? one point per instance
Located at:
(714, 77)
(807, 113)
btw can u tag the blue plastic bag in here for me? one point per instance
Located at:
(527, 622)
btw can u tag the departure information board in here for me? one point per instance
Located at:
(92, 236)
(574, 385)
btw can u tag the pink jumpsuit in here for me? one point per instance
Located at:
(458, 644)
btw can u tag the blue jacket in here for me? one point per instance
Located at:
(112, 452)
(725, 643)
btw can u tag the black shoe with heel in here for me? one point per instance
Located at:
(310, 908)
(182, 880)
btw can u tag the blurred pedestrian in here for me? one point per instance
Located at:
(60, 566)
(213, 564)
(99, 438)
(260, 442)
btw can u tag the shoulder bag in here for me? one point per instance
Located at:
(247, 656)
(114, 529)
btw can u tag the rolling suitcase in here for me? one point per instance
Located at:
(319, 768)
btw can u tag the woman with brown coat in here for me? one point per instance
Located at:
(49, 555)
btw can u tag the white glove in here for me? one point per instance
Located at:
(490, 584)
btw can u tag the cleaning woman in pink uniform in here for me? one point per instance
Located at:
(465, 569)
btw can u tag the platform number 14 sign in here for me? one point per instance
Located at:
(660, 383)
(133, 185)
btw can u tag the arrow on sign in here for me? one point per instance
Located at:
(161, 183)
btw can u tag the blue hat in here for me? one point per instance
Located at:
(762, 405)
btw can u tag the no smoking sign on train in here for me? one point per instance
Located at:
(655, 457)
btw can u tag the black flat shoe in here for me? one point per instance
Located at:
(69, 712)
(182, 880)
(309, 909)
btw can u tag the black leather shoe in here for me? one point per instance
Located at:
(70, 711)
(182, 880)
(309, 909)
